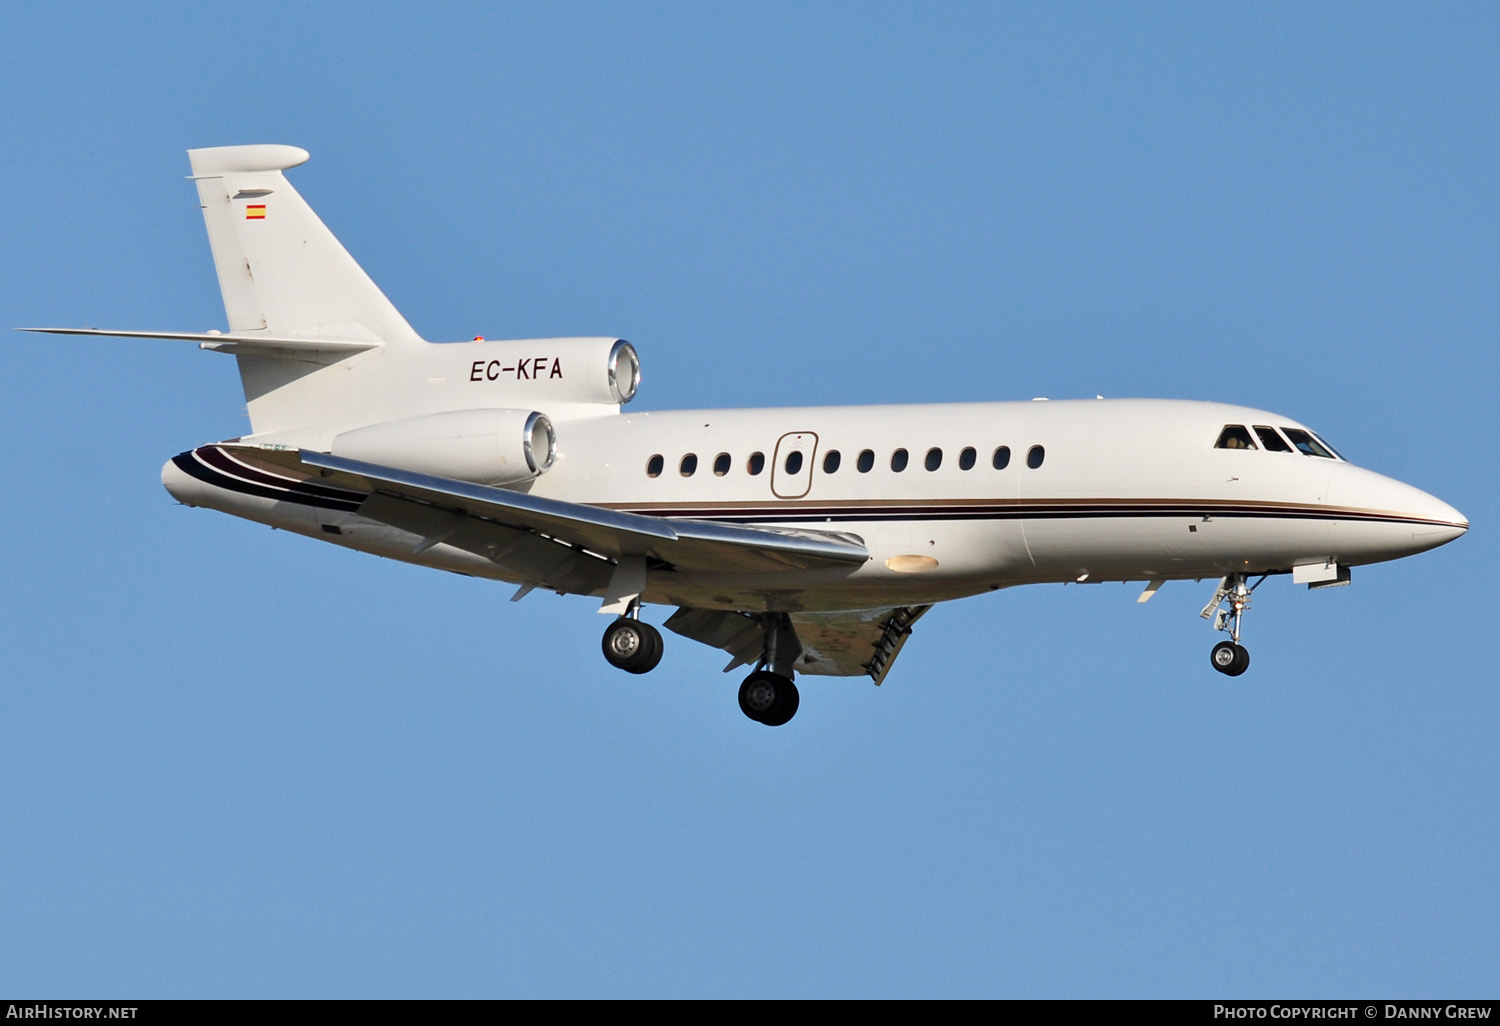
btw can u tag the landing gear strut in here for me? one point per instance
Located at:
(632, 645)
(1230, 657)
(767, 696)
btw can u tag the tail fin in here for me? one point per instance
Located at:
(281, 270)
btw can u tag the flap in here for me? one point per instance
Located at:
(848, 643)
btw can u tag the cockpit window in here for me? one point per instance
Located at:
(1234, 436)
(1319, 439)
(1307, 443)
(1270, 439)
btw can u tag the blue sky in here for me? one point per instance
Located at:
(235, 762)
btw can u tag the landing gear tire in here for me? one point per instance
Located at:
(769, 698)
(632, 646)
(1229, 658)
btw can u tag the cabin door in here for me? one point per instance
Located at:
(792, 465)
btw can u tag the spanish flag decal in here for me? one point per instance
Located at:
(255, 212)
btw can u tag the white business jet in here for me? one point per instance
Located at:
(797, 540)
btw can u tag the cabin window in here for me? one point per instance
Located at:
(794, 462)
(689, 465)
(1307, 443)
(866, 461)
(654, 465)
(1034, 456)
(1001, 459)
(966, 458)
(1234, 436)
(898, 460)
(831, 461)
(934, 459)
(721, 464)
(1270, 440)
(756, 463)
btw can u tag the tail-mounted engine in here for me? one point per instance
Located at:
(493, 447)
(545, 372)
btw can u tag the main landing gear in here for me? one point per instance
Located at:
(632, 645)
(767, 696)
(1227, 609)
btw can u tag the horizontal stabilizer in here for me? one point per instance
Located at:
(243, 345)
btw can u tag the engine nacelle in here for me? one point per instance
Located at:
(493, 447)
(550, 373)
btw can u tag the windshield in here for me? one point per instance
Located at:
(1308, 443)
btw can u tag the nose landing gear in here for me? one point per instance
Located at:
(1230, 657)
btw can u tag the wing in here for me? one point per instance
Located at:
(848, 643)
(567, 545)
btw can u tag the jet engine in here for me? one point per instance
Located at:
(548, 372)
(493, 447)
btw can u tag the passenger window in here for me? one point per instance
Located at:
(654, 465)
(689, 465)
(793, 462)
(831, 461)
(756, 464)
(1270, 440)
(1306, 443)
(966, 459)
(1035, 456)
(721, 464)
(898, 460)
(1234, 436)
(934, 459)
(866, 461)
(1001, 459)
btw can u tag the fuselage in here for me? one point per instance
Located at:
(796, 540)
(951, 500)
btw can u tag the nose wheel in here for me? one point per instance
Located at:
(1230, 658)
(632, 645)
(1227, 610)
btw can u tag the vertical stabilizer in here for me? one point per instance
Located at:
(280, 269)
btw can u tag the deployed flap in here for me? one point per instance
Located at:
(846, 644)
(739, 634)
(685, 544)
(841, 644)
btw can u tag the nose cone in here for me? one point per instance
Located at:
(1382, 518)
